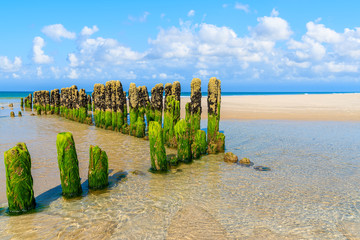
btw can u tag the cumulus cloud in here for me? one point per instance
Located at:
(272, 28)
(58, 31)
(86, 31)
(6, 65)
(38, 54)
(191, 13)
(242, 7)
(73, 74)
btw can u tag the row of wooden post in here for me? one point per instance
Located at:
(110, 112)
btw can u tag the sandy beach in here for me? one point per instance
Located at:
(318, 107)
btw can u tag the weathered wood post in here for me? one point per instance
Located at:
(113, 105)
(22, 103)
(56, 101)
(19, 182)
(83, 115)
(171, 112)
(157, 102)
(125, 128)
(89, 103)
(215, 139)
(182, 132)
(143, 101)
(108, 105)
(120, 99)
(68, 165)
(98, 168)
(157, 148)
(133, 105)
(99, 104)
(195, 106)
(188, 112)
(199, 144)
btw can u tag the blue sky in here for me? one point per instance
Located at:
(250, 45)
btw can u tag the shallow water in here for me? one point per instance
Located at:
(312, 191)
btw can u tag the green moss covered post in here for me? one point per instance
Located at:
(157, 102)
(171, 114)
(28, 101)
(182, 132)
(199, 144)
(157, 148)
(195, 106)
(98, 168)
(22, 103)
(188, 112)
(19, 182)
(215, 139)
(83, 108)
(108, 105)
(143, 101)
(99, 104)
(120, 101)
(68, 165)
(133, 105)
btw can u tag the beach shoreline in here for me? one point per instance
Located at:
(307, 107)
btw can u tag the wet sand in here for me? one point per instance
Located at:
(316, 107)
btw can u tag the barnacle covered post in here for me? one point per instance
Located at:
(157, 148)
(99, 102)
(19, 182)
(182, 132)
(215, 139)
(195, 106)
(108, 105)
(143, 101)
(89, 102)
(22, 102)
(55, 101)
(83, 108)
(171, 112)
(157, 102)
(28, 101)
(98, 168)
(120, 99)
(133, 105)
(68, 165)
(125, 127)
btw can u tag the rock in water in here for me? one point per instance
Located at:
(182, 132)
(157, 148)
(12, 114)
(19, 182)
(245, 161)
(262, 168)
(230, 157)
(11, 105)
(68, 165)
(98, 168)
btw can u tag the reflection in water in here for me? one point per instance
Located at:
(311, 191)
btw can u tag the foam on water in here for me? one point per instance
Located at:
(312, 191)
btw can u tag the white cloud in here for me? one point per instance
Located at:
(142, 18)
(274, 13)
(336, 67)
(14, 75)
(322, 34)
(163, 75)
(191, 13)
(242, 7)
(38, 54)
(39, 71)
(86, 31)
(6, 65)
(272, 28)
(58, 31)
(73, 74)
(74, 62)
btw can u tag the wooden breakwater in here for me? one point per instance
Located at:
(109, 108)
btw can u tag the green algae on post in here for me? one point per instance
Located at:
(68, 165)
(22, 103)
(157, 148)
(182, 132)
(19, 182)
(216, 140)
(171, 117)
(98, 168)
(157, 102)
(133, 105)
(199, 144)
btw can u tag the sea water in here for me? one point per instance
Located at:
(311, 192)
